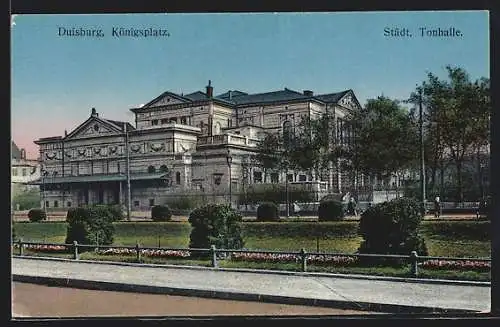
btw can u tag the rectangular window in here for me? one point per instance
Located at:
(68, 204)
(257, 177)
(136, 203)
(56, 204)
(290, 177)
(173, 120)
(14, 171)
(164, 121)
(24, 171)
(302, 178)
(47, 204)
(177, 178)
(154, 122)
(151, 202)
(274, 177)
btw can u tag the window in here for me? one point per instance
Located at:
(47, 204)
(151, 202)
(274, 177)
(184, 120)
(151, 169)
(302, 178)
(136, 203)
(178, 178)
(68, 204)
(290, 177)
(257, 177)
(287, 132)
(154, 122)
(164, 121)
(56, 204)
(163, 168)
(173, 120)
(14, 171)
(24, 171)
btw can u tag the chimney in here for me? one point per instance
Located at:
(308, 93)
(210, 89)
(94, 113)
(65, 132)
(230, 94)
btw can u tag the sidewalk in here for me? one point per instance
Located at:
(347, 293)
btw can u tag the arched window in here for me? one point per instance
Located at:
(151, 169)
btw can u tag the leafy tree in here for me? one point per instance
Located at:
(456, 116)
(89, 225)
(384, 139)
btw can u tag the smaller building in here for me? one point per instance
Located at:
(23, 171)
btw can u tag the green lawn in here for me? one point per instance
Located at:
(452, 239)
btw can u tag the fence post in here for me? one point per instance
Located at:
(213, 254)
(138, 252)
(303, 255)
(414, 263)
(75, 249)
(20, 246)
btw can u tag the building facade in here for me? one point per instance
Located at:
(23, 171)
(193, 143)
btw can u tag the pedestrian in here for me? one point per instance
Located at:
(296, 209)
(437, 207)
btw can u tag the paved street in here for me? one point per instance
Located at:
(444, 296)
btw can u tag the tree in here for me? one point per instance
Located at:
(384, 139)
(457, 114)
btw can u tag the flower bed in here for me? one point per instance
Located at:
(43, 248)
(318, 259)
(456, 265)
(158, 253)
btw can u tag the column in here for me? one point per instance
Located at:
(89, 195)
(120, 193)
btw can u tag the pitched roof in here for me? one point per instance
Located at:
(283, 95)
(15, 151)
(231, 94)
(332, 97)
(120, 124)
(195, 96)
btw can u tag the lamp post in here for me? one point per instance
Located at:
(244, 166)
(44, 173)
(422, 162)
(229, 160)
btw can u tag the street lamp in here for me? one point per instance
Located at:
(244, 166)
(422, 162)
(229, 160)
(44, 173)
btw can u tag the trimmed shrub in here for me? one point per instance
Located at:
(330, 210)
(36, 215)
(268, 211)
(112, 212)
(392, 228)
(161, 213)
(215, 224)
(89, 225)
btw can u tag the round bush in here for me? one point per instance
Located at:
(392, 228)
(268, 211)
(112, 212)
(330, 210)
(36, 215)
(161, 213)
(215, 224)
(89, 226)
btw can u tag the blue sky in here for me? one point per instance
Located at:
(56, 80)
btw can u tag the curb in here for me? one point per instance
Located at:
(274, 272)
(224, 295)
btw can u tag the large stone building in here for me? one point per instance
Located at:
(193, 142)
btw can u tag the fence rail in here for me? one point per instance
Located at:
(216, 254)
